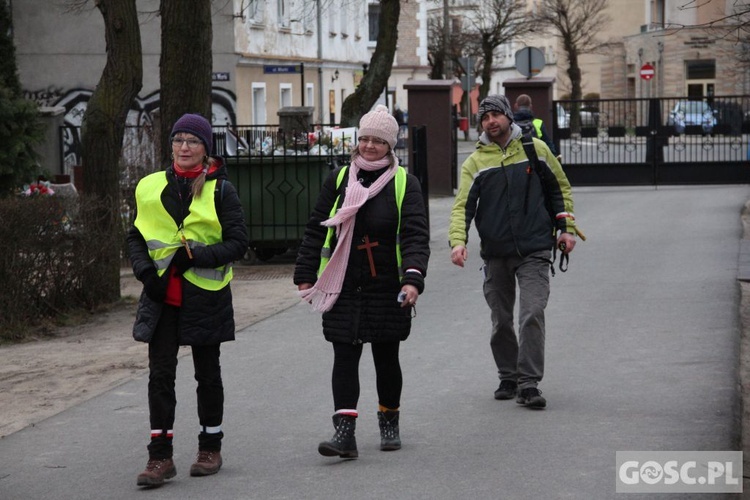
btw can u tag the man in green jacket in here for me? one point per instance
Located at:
(519, 211)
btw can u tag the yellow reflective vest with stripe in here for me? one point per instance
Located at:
(537, 122)
(163, 237)
(400, 185)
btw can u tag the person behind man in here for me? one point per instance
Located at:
(524, 118)
(508, 198)
(370, 221)
(189, 228)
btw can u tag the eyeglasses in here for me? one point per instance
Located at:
(372, 140)
(192, 143)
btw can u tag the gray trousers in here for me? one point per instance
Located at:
(518, 359)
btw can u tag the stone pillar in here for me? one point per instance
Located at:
(540, 91)
(295, 118)
(430, 105)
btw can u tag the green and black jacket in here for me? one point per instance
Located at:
(500, 190)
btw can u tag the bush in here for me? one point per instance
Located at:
(45, 262)
(20, 132)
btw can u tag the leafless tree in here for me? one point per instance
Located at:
(437, 49)
(496, 22)
(735, 22)
(104, 128)
(732, 25)
(379, 69)
(185, 65)
(577, 24)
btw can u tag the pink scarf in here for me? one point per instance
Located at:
(326, 291)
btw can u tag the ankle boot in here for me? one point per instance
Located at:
(157, 471)
(389, 437)
(343, 443)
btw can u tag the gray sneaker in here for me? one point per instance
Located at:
(507, 390)
(531, 397)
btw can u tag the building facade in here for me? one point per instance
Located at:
(692, 47)
(268, 55)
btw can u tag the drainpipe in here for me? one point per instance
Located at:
(320, 59)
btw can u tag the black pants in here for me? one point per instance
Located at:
(162, 363)
(345, 378)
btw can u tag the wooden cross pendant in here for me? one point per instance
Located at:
(367, 246)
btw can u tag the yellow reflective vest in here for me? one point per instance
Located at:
(163, 236)
(400, 185)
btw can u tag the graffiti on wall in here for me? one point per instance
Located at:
(140, 117)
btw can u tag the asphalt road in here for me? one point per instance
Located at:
(642, 354)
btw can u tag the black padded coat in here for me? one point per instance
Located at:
(367, 309)
(206, 317)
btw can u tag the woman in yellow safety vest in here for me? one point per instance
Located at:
(362, 263)
(189, 228)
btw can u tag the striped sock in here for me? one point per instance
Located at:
(349, 413)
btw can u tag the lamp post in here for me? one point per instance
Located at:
(660, 69)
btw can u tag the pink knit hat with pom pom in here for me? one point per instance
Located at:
(379, 123)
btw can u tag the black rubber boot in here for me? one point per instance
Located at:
(389, 437)
(343, 443)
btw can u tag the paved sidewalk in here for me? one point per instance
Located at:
(643, 336)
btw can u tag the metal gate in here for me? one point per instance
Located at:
(654, 141)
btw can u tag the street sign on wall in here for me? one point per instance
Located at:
(278, 69)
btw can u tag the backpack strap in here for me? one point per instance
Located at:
(528, 146)
(530, 150)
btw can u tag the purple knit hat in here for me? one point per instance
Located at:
(198, 126)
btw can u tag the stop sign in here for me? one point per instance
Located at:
(647, 71)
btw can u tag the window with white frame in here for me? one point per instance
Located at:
(285, 95)
(332, 19)
(356, 17)
(309, 94)
(373, 18)
(344, 19)
(282, 13)
(258, 98)
(255, 11)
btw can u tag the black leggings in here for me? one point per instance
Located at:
(345, 378)
(162, 360)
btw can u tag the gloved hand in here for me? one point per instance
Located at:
(181, 262)
(155, 286)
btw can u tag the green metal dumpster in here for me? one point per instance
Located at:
(278, 194)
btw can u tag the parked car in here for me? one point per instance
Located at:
(589, 117)
(692, 113)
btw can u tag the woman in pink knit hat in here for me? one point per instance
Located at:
(362, 263)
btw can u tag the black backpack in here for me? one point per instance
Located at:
(527, 126)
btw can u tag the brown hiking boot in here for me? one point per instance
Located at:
(207, 463)
(157, 471)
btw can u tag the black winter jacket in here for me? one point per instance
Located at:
(367, 309)
(206, 317)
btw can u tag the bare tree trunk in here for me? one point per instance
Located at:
(103, 130)
(376, 79)
(185, 65)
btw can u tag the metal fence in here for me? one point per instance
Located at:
(278, 174)
(140, 143)
(642, 141)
